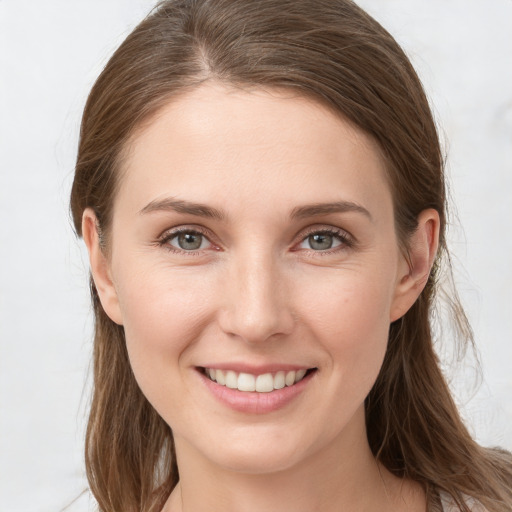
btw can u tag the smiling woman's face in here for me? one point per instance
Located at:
(255, 268)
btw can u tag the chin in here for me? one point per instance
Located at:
(258, 460)
(256, 449)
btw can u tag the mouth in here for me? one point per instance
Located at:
(262, 383)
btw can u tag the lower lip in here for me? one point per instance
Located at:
(254, 402)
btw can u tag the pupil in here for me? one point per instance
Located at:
(320, 242)
(189, 241)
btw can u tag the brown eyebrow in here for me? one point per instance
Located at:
(326, 208)
(300, 212)
(177, 205)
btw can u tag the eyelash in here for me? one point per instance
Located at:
(164, 240)
(346, 240)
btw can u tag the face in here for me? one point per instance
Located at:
(255, 267)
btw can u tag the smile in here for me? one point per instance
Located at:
(264, 383)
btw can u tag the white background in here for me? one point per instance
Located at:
(50, 53)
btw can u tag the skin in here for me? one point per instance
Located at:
(256, 292)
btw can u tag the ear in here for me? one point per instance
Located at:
(100, 267)
(414, 268)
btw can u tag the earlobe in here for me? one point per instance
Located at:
(415, 268)
(100, 267)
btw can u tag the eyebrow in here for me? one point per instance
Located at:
(312, 210)
(300, 212)
(187, 207)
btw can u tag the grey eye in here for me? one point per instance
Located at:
(321, 241)
(188, 241)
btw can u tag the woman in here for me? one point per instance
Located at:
(260, 188)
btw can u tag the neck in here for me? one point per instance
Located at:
(341, 476)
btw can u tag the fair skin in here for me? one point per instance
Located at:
(218, 262)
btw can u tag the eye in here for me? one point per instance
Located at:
(321, 241)
(186, 240)
(325, 240)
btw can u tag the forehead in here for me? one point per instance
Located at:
(237, 147)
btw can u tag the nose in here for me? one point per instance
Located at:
(257, 306)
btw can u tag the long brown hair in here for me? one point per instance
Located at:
(334, 52)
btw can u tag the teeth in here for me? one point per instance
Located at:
(246, 382)
(290, 378)
(264, 383)
(299, 375)
(231, 380)
(279, 382)
(220, 377)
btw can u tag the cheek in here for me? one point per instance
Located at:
(164, 313)
(162, 301)
(350, 318)
(349, 305)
